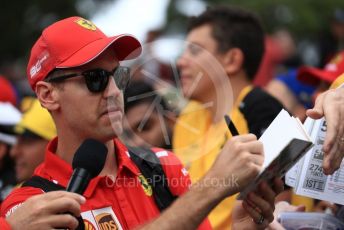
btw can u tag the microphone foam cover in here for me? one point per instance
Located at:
(90, 155)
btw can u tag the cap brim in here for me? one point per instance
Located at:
(313, 76)
(26, 133)
(339, 82)
(8, 139)
(7, 134)
(8, 129)
(125, 46)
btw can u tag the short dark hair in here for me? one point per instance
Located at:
(141, 92)
(235, 27)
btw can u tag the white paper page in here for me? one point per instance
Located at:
(284, 141)
(280, 132)
(313, 182)
(293, 175)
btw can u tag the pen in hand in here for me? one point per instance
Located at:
(231, 126)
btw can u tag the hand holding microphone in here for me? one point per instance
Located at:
(88, 162)
(60, 209)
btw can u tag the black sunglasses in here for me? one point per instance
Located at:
(97, 79)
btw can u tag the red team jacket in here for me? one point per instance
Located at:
(124, 202)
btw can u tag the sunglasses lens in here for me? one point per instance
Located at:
(96, 80)
(122, 77)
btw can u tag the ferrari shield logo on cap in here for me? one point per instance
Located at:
(86, 24)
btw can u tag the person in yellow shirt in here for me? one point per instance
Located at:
(223, 52)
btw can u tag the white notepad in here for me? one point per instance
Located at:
(285, 141)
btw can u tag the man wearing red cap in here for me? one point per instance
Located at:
(322, 78)
(330, 104)
(75, 72)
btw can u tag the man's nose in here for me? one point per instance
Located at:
(181, 61)
(112, 89)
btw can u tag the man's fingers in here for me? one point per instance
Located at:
(300, 208)
(245, 137)
(80, 199)
(317, 111)
(333, 148)
(334, 114)
(50, 196)
(330, 105)
(255, 215)
(257, 159)
(266, 209)
(267, 193)
(333, 122)
(62, 221)
(329, 163)
(254, 147)
(254, 151)
(64, 205)
(314, 113)
(278, 185)
(333, 159)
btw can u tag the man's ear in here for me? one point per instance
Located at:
(48, 95)
(233, 61)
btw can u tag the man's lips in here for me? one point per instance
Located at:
(185, 77)
(111, 110)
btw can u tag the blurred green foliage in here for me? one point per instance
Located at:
(305, 18)
(22, 22)
(300, 16)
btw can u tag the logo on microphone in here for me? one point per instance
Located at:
(146, 187)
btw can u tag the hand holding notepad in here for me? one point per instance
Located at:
(285, 141)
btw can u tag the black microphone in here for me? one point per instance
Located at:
(88, 162)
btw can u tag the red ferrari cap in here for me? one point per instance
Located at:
(330, 72)
(73, 42)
